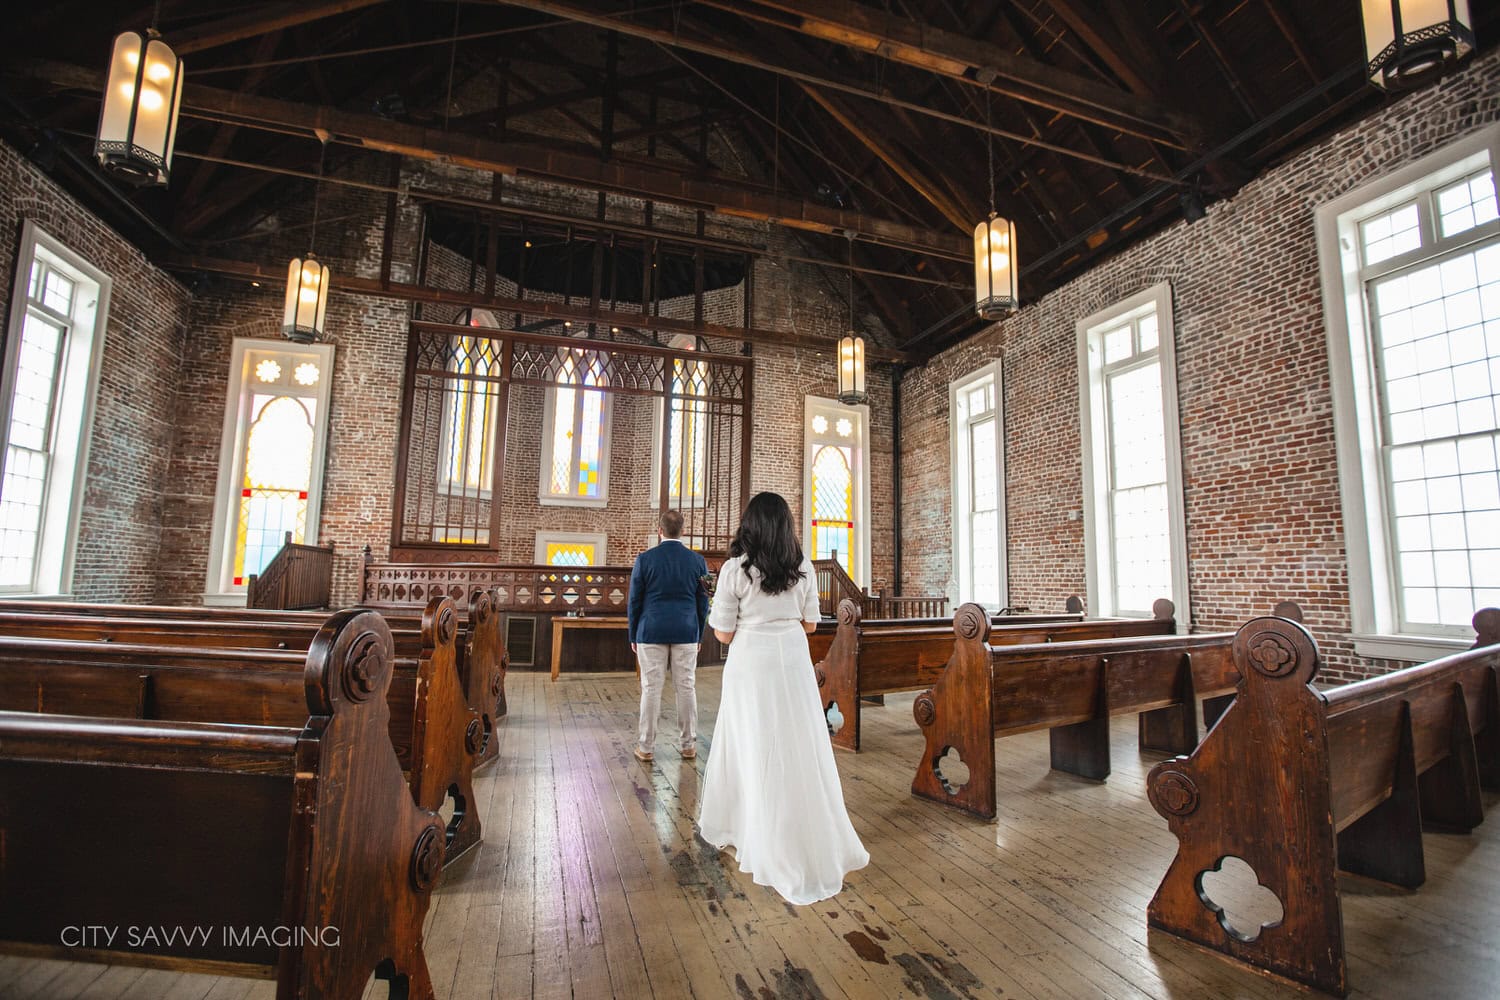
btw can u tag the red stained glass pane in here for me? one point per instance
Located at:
(244, 493)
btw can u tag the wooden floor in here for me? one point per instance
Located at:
(591, 884)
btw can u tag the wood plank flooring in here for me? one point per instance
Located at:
(591, 884)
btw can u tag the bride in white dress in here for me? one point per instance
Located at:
(770, 788)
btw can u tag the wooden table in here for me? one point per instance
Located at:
(562, 623)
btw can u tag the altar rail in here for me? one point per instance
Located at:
(594, 590)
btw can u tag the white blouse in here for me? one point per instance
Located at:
(739, 601)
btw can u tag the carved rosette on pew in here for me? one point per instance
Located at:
(838, 680)
(957, 714)
(373, 852)
(447, 734)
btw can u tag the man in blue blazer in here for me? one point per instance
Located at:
(668, 606)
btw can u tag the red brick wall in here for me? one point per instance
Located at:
(131, 439)
(1261, 479)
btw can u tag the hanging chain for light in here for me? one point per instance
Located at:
(156, 15)
(323, 138)
(989, 142)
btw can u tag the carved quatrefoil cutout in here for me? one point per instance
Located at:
(834, 716)
(1244, 906)
(951, 770)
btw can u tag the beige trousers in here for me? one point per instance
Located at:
(654, 658)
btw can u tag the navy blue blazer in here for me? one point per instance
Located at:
(668, 599)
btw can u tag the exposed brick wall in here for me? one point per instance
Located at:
(1261, 480)
(131, 438)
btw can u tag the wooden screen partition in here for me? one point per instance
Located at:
(593, 590)
(471, 391)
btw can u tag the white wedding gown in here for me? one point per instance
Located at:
(771, 789)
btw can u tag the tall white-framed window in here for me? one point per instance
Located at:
(1135, 531)
(569, 548)
(51, 370)
(1410, 265)
(976, 441)
(471, 412)
(270, 459)
(836, 483)
(687, 433)
(575, 434)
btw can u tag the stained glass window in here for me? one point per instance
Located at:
(836, 483)
(278, 470)
(687, 434)
(570, 554)
(573, 464)
(273, 448)
(470, 416)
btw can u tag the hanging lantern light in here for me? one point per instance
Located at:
(1409, 42)
(852, 370)
(138, 120)
(308, 280)
(852, 351)
(306, 299)
(996, 292)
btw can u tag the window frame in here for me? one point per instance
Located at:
(465, 390)
(545, 536)
(1093, 431)
(232, 441)
(962, 485)
(1358, 414)
(545, 496)
(76, 391)
(860, 572)
(659, 411)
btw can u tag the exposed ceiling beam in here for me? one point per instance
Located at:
(372, 133)
(259, 22)
(892, 157)
(274, 276)
(682, 35)
(918, 44)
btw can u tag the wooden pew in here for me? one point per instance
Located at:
(482, 660)
(872, 659)
(167, 669)
(305, 834)
(1069, 688)
(1299, 784)
(822, 637)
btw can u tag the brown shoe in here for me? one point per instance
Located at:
(688, 753)
(644, 756)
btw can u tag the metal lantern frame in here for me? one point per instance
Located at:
(852, 371)
(135, 140)
(996, 271)
(1409, 42)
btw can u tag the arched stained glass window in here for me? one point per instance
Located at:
(833, 505)
(470, 414)
(576, 432)
(687, 434)
(278, 470)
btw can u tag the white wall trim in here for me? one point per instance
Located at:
(955, 583)
(1157, 298)
(232, 441)
(1372, 599)
(861, 570)
(58, 544)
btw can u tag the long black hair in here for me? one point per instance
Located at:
(767, 539)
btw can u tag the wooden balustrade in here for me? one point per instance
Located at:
(835, 586)
(298, 578)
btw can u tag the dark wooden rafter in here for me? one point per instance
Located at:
(259, 21)
(1206, 35)
(921, 45)
(687, 34)
(372, 133)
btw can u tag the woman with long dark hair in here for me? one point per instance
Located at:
(770, 789)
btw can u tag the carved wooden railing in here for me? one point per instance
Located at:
(835, 585)
(595, 590)
(298, 578)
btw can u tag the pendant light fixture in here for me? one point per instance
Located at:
(1408, 42)
(852, 351)
(307, 278)
(995, 287)
(138, 117)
